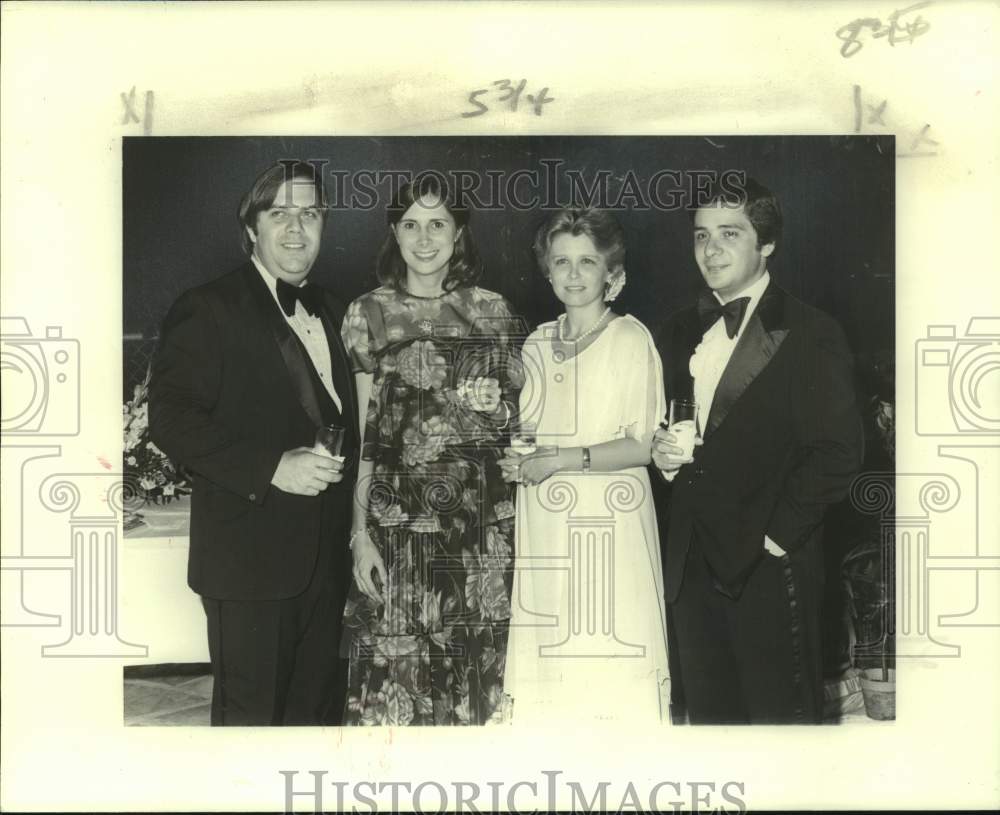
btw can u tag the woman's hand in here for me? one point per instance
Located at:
(510, 465)
(366, 560)
(534, 468)
(481, 394)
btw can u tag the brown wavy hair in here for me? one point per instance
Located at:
(465, 266)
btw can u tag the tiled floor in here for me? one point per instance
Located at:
(181, 695)
(168, 695)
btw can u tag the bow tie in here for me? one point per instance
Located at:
(308, 295)
(710, 310)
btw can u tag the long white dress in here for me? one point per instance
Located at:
(588, 627)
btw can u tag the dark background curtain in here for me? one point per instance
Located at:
(180, 197)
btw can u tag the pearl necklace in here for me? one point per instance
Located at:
(587, 333)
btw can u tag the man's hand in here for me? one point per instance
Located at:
(366, 560)
(666, 455)
(303, 472)
(772, 548)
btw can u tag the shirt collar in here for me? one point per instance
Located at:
(754, 291)
(270, 279)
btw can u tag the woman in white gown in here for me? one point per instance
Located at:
(588, 630)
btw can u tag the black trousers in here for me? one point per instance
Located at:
(278, 662)
(756, 659)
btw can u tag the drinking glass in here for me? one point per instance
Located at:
(683, 423)
(329, 441)
(524, 441)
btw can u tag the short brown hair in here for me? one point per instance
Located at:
(261, 195)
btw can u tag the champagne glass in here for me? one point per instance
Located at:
(329, 441)
(683, 423)
(524, 441)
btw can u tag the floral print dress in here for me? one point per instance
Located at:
(433, 653)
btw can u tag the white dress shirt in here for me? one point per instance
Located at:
(712, 355)
(309, 329)
(709, 361)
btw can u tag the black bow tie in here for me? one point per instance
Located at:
(308, 295)
(710, 310)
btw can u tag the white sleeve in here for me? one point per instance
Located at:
(642, 398)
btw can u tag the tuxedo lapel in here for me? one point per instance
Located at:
(341, 367)
(292, 351)
(758, 343)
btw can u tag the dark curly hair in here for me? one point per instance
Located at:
(760, 205)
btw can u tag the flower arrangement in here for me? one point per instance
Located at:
(148, 471)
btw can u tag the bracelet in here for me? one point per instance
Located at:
(586, 459)
(354, 534)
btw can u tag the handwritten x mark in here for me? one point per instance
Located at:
(129, 102)
(876, 113)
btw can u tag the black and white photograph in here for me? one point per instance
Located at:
(597, 405)
(499, 406)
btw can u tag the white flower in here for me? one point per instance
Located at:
(168, 489)
(132, 438)
(147, 483)
(615, 286)
(131, 461)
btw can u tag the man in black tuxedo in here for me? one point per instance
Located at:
(249, 366)
(781, 440)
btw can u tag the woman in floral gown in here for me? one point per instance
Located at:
(432, 537)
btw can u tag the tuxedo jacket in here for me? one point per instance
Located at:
(232, 389)
(782, 442)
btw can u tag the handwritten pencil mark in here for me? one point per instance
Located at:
(511, 94)
(895, 30)
(918, 145)
(875, 113)
(131, 116)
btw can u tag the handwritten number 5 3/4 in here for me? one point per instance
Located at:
(503, 91)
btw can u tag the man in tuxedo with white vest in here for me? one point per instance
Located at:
(780, 441)
(249, 366)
